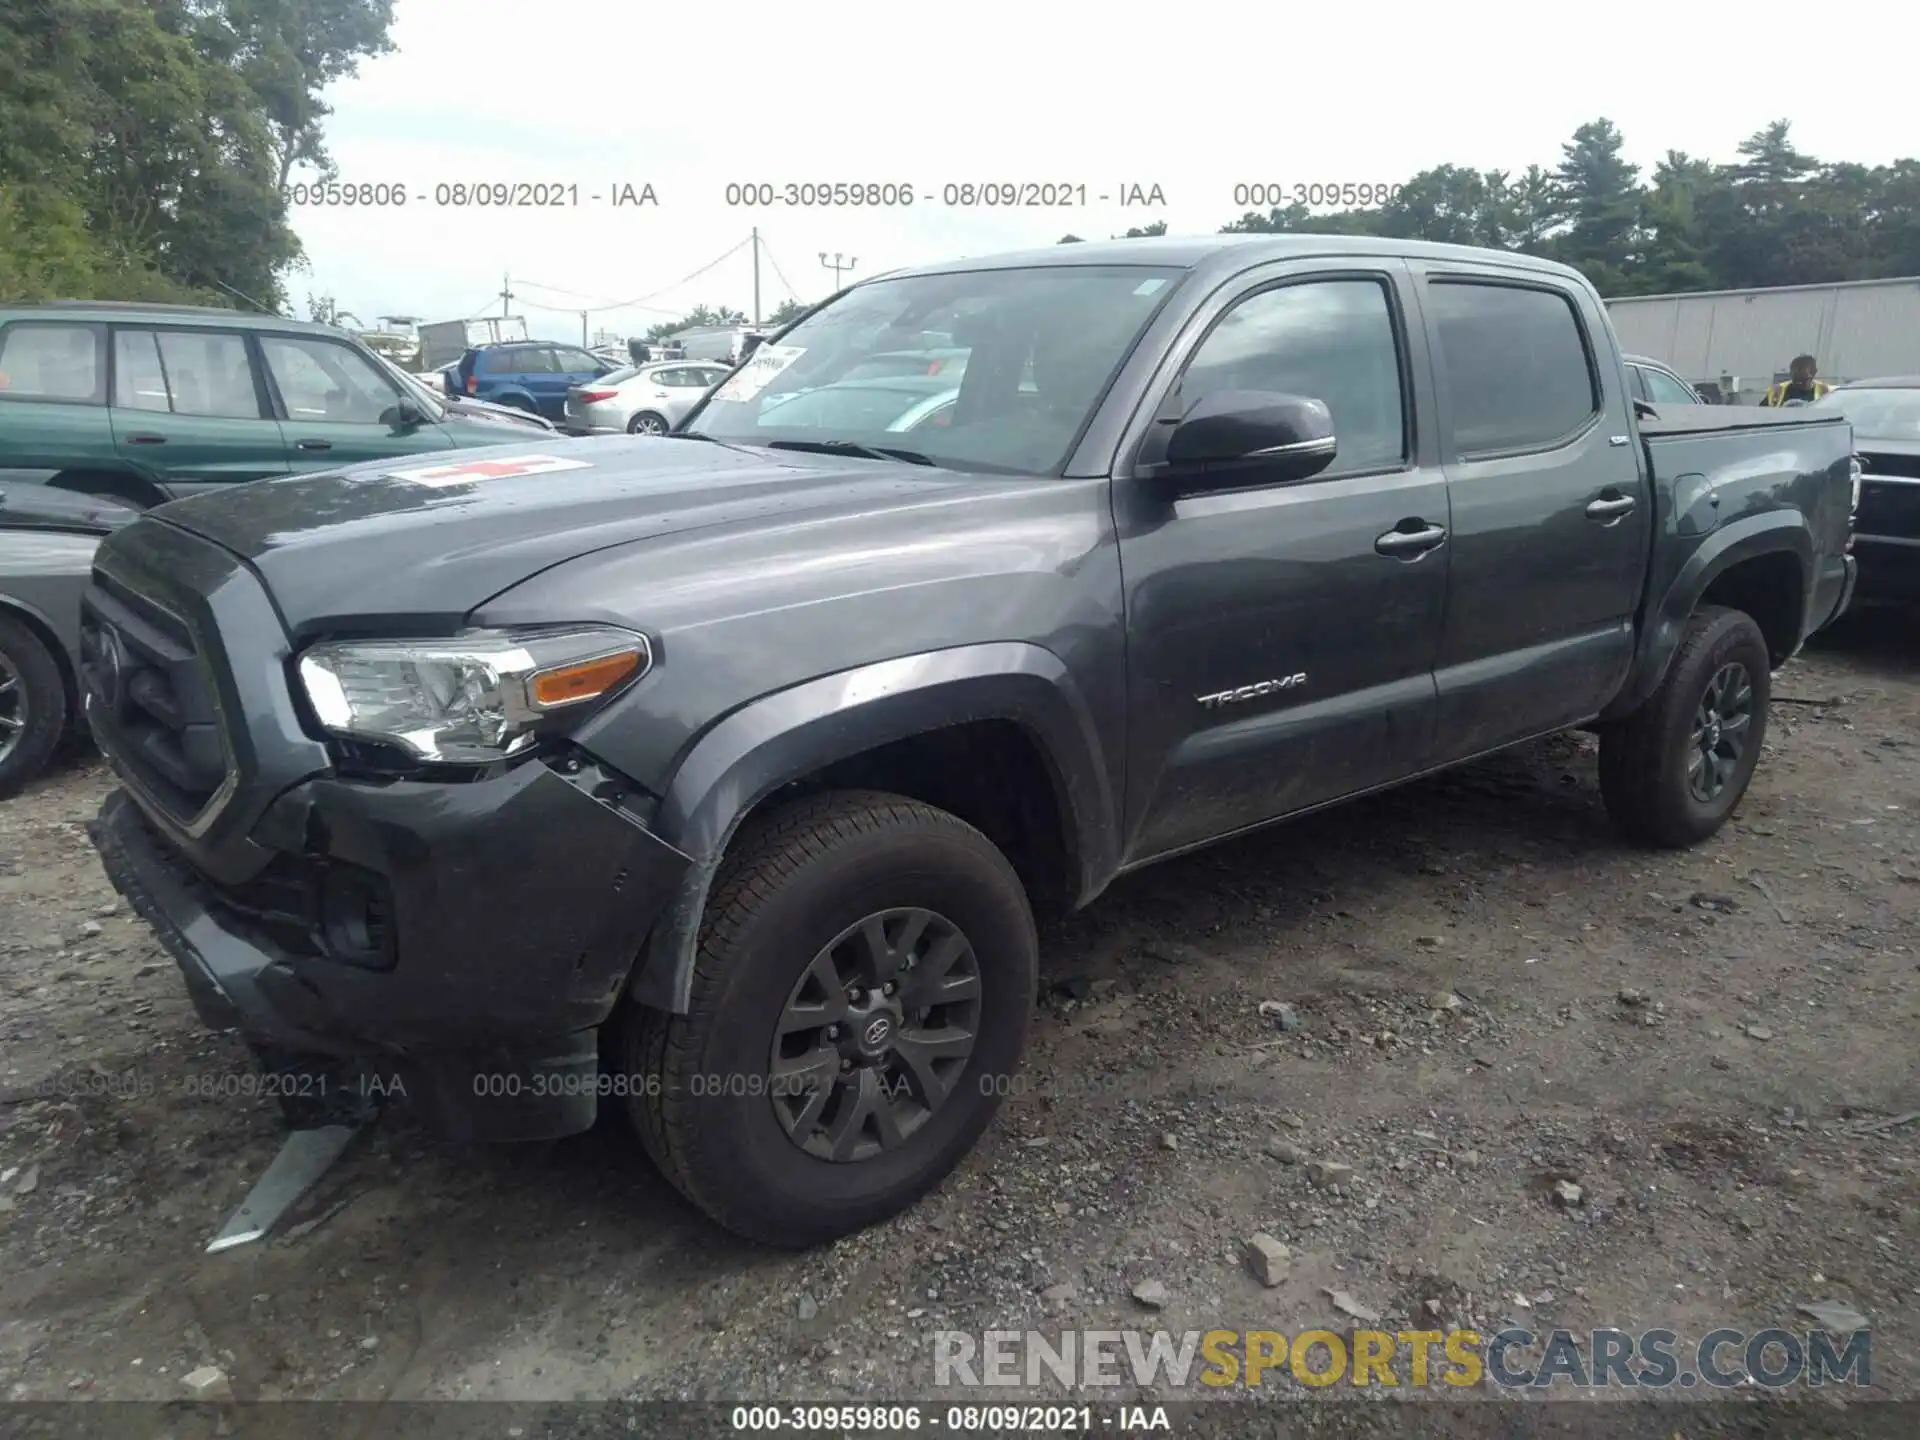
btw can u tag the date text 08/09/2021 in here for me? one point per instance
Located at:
(907, 1418)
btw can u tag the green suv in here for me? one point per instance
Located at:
(144, 403)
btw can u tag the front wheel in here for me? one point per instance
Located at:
(860, 1000)
(33, 706)
(1674, 770)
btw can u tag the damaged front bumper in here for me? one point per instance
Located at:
(458, 945)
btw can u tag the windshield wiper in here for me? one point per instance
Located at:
(852, 447)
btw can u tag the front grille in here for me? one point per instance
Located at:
(1888, 507)
(1907, 465)
(150, 692)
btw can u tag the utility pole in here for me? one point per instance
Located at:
(756, 277)
(506, 295)
(583, 329)
(838, 263)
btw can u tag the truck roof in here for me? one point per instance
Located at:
(1232, 253)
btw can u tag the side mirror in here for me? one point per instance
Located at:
(405, 416)
(1287, 437)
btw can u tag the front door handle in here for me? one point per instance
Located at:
(146, 439)
(1404, 543)
(1609, 508)
(314, 444)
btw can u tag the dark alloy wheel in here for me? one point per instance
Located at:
(646, 423)
(33, 705)
(1674, 770)
(1720, 730)
(860, 999)
(875, 1034)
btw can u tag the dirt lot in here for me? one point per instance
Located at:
(1490, 993)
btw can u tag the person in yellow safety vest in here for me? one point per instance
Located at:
(1801, 387)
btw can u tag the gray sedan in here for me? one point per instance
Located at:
(640, 399)
(47, 539)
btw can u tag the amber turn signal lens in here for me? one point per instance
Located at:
(565, 684)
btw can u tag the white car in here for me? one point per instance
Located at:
(640, 399)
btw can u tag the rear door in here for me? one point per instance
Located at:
(190, 409)
(53, 399)
(337, 407)
(541, 376)
(1550, 506)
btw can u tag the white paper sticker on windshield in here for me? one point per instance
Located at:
(759, 372)
(472, 470)
(1149, 287)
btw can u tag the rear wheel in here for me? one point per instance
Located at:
(863, 990)
(646, 423)
(1672, 772)
(33, 706)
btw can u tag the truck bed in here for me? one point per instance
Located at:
(1668, 420)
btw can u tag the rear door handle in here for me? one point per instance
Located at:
(146, 439)
(314, 444)
(1609, 508)
(1411, 544)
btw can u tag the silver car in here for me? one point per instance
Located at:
(640, 399)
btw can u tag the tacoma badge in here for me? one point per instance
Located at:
(1253, 692)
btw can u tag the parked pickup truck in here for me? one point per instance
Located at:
(721, 775)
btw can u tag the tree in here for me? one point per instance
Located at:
(288, 52)
(700, 316)
(1158, 227)
(147, 156)
(785, 311)
(1599, 194)
(1068, 240)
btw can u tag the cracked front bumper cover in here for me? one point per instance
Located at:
(516, 907)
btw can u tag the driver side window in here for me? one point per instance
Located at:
(321, 381)
(1330, 340)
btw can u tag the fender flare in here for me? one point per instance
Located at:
(783, 737)
(1774, 533)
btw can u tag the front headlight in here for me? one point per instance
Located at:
(471, 699)
(1856, 471)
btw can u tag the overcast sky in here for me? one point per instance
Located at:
(1194, 98)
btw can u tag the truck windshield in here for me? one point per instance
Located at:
(1888, 414)
(1024, 357)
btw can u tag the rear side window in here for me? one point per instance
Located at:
(51, 362)
(138, 381)
(208, 373)
(1518, 374)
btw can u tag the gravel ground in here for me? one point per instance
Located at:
(1467, 991)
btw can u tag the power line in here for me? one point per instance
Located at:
(778, 273)
(638, 302)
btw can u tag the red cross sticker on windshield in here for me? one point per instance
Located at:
(472, 470)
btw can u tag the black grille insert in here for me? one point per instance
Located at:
(150, 694)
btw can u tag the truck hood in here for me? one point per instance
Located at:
(425, 540)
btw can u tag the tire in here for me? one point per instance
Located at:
(33, 706)
(700, 1090)
(1647, 761)
(647, 423)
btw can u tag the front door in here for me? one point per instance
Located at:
(188, 410)
(338, 407)
(1280, 643)
(1550, 508)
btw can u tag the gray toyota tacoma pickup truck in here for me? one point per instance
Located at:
(719, 776)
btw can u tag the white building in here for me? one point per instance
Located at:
(1741, 341)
